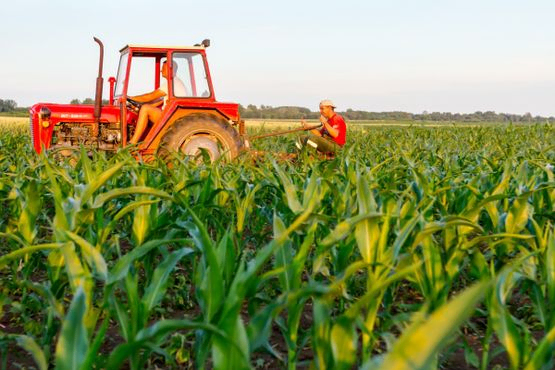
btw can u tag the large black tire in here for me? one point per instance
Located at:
(190, 134)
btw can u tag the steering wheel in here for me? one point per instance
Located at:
(133, 105)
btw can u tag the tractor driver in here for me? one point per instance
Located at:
(152, 111)
(331, 136)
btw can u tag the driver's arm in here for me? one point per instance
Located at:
(149, 97)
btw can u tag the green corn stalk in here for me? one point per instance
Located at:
(371, 240)
(154, 334)
(243, 206)
(289, 268)
(140, 308)
(320, 337)
(31, 207)
(542, 297)
(73, 342)
(542, 359)
(290, 191)
(505, 327)
(441, 265)
(31, 346)
(141, 216)
(518, 215)
(549, 276)
(241, 284)
(418, 346)
(508, 329)
(289, 265)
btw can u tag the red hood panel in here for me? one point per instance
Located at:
(78, 113)
(65, 113)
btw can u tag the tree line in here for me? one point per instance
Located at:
(89, 101)
(268, 112)
(8, 106)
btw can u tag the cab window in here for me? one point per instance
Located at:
(190, 79)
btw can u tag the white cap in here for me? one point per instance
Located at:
(327, 102)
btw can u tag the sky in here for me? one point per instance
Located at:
(396, 55)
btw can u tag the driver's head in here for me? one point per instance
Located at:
(164, 70)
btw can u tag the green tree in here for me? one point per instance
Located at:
(7, 105)
(87, 101)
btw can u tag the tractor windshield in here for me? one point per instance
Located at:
(122, 70)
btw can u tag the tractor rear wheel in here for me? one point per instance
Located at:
(197, 134)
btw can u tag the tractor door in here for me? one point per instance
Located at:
(190, 76)
(138, 73)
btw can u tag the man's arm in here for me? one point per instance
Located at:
(332, 131)
(149, 97)
(314, 131)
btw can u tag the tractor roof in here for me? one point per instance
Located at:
(159, 48)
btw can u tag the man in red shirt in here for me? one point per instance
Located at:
(331, 136)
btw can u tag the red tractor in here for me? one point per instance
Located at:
(192, 120)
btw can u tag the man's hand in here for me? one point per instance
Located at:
(303, 123)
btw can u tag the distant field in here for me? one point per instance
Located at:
(14, 125)
(13, 120)
(284, 124)
(273, 124)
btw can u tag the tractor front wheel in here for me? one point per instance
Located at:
(198, 135)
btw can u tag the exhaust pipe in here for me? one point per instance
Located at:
(98, 93)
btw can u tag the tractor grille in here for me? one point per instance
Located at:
(32, 132)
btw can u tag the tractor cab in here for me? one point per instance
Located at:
(139, 72)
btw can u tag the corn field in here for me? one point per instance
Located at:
(413, 247)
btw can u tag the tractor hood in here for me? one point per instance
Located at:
(76, 113)
(44, 117)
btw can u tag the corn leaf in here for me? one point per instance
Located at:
(343, 341)
(29, 345)
(420, 343)
(155, 291)
(73, 342)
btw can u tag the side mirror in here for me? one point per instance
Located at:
(205, 43)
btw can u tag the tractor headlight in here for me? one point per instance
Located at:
(44, 117)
